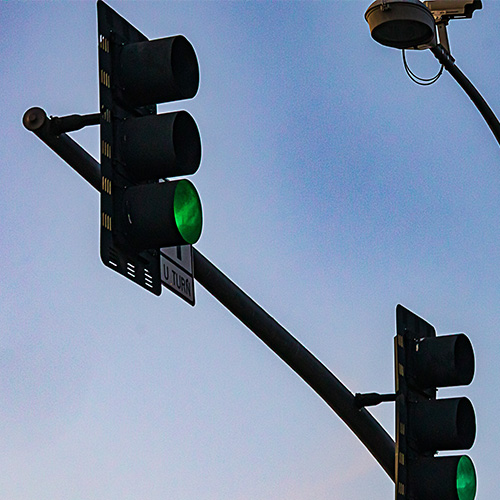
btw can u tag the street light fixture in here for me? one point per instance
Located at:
(411, 24)
(402, 24)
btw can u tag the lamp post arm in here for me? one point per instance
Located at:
(445, 58)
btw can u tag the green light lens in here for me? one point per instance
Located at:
(187, 211)
(466, 479)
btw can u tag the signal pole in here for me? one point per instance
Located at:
(336, 395)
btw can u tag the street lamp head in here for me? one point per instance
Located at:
(402, 24)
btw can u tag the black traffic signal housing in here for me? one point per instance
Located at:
(425, 424)
(142, 211)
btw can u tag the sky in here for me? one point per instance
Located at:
(333, 189)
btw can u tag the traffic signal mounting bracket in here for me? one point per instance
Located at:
(408, 327)
(141, 267)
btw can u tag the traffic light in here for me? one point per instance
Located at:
(426, 425)
(142, 210)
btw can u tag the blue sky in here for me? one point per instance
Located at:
(333, 188)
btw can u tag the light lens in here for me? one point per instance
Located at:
(466, 479)
(187, 211)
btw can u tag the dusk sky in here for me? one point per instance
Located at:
(333, 189)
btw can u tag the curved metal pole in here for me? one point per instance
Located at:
(448, 62)
(301, 361)
(376, 439)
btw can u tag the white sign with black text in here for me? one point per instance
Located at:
(177, 271)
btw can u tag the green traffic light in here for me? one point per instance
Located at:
(466, 479)
(187, 211)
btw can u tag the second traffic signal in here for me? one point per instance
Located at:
(425, 424)
(142, 211)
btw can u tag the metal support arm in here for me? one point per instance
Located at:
(448, 62)
(294, 354)
(378, 442)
